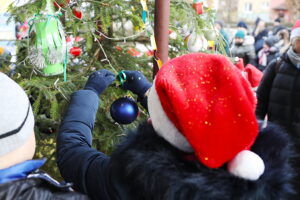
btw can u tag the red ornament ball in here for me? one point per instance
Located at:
(198, 7)
(75, 51)
(77, 13)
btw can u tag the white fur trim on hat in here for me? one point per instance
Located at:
(162, 124)
(295, 33)
(247, 165)
(15, 112)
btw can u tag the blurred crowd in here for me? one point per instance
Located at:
(257, 46)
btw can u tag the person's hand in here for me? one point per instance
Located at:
(99, 81)
(136, 82)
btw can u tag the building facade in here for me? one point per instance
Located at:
(250, 10)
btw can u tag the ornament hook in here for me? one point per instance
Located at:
(122, 77)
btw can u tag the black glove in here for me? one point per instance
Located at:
(136, 82)
(99, 81)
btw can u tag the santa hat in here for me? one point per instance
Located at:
(16, 116)
(295, 30)
(200, 103)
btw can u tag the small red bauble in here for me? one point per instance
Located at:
(198, 7)
(77, 13)
(75, 51)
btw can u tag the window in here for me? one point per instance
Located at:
(265, 4)
(248, 7)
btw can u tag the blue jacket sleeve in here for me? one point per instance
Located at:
(78, 162)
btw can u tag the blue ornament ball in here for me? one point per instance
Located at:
(124, 110)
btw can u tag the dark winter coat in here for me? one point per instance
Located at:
(259, 40)
(272, 55)
(279, 95)
(37, 186)
(245, 51)
(279, 98)
(145, 166)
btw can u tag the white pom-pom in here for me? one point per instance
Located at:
(247, 165)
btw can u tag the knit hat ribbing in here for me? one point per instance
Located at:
(240, 34)
(242, 24)
(295, 30)
(16, 117)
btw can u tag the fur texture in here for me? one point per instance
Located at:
(150, 168)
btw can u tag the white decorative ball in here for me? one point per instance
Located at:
(196, 42)
(173, 35)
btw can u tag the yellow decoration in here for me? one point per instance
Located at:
(159, 63)
(144, 5)
(1, 50)
(211, 43)
(153, 43)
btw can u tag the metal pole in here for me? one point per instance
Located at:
(161, 32)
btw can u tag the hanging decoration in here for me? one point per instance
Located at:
(196, 42)
(47, 49)
(75, 51)
(22, 31)
(150, 31)
(198, 6)
(78, 39)
(133, 52)
(145, 11)
(211, 45)
(124, 110)
(172, 34)
(72, 45)
(77, 13)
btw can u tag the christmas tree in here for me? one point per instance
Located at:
(97, 34)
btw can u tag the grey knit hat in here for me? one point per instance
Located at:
(16, 117)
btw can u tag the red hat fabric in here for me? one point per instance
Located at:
(296, 24)
(254, 75)
(201, 103)
(295, 30)
(239, 63)
(250, 72)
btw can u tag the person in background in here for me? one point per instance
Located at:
(19, 174)
(202, 140)
(220, 28)
(277, 27)
(249, 39)
(279, 96)
(267, 54)
(283, 43)
(242, 26)
(260, 32)
(242, 49)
